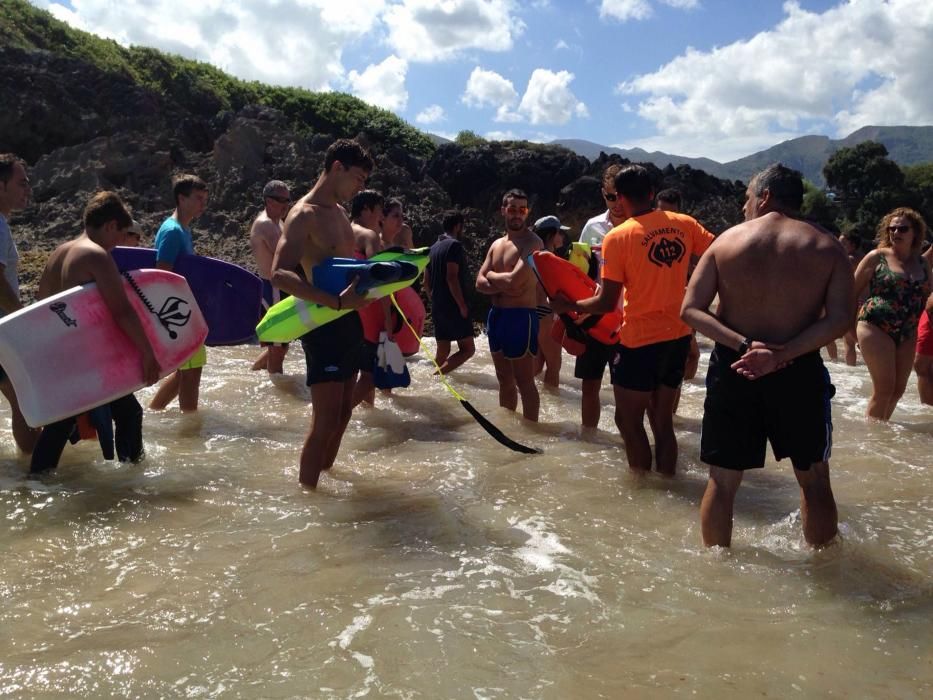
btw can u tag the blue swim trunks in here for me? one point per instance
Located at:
(513, 332)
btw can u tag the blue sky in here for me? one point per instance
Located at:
(711, 78)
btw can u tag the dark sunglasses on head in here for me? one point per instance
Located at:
(280, 200)
(610, 197)
(903, 228)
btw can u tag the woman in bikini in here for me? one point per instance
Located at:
(898, 281)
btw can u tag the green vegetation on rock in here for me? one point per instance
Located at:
(202, 88)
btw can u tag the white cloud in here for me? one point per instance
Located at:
(431, 115)
(561, 44)
(624, 10)
(548, 99)
(501, 136)
(863, 62)
(298, 43)
(486, 88)
(382, 84)
(428, 30)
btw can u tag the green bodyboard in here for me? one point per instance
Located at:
(291, 318)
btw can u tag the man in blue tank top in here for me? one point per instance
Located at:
(172, 241)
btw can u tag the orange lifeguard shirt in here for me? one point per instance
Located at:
(650, 255)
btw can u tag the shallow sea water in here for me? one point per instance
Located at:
(434, 563)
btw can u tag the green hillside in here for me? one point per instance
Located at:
(201, 88)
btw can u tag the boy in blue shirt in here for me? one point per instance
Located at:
(172, 241)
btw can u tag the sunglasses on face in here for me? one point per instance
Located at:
(517, 210)
(280, 200)
(609, 197)
(132, 234)
(903, 228)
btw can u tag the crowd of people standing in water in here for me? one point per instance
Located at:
(785, 287)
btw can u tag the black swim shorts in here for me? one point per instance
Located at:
(789, 408)
(332, 352)
(449, 324)
(592, 363)
(647, 367)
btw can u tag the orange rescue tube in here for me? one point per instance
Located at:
(560, 277)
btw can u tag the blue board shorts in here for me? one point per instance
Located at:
(512, 331)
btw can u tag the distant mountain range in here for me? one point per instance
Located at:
(907, 145)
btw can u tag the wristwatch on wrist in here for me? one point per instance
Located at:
(745, 346)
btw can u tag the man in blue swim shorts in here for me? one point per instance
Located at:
(512, 325)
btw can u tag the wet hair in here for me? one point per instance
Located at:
(671, 195)
(916, 223)
(105, 207)
(451, 219)
(184, 185)
(7, 163)
(273, 187)
(784, 184)
(634, 183)
(366, 199)
(391, 204)
(350, 153)
(513, 194)
(609, 175)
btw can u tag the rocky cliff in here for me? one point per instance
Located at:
(83, 129)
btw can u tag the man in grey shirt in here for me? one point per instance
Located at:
(14, 195)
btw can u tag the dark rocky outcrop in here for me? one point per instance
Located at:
(82, 129)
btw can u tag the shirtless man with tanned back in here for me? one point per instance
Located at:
(317, 228)
(512, 325)
(87, 259)
(774, 274)
(264, 237)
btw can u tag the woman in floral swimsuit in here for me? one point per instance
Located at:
(898, 282)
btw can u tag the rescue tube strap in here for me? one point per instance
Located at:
(487, 425)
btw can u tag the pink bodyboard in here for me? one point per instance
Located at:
(65, 354)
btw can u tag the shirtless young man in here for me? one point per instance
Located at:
(87, 259)
(512, 325)
(366, 220)
(775, 274)
(263, 238)
(317, 228)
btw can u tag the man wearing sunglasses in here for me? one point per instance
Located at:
(512, 325)
(596, 228)
(263, 238)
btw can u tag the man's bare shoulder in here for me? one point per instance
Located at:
(363, 231)
(264, 226)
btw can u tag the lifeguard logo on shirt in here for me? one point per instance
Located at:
(666, 251)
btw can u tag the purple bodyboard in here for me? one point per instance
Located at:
(229, 296)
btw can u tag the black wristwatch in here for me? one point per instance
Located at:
(745, 346)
